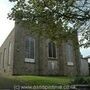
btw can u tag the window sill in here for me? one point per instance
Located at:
(28, 60)
(52, 58)
(70, 63)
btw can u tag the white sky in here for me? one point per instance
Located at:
(7, 25)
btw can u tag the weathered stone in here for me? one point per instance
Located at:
(43, 64)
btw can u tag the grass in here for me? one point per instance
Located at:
(10, 82)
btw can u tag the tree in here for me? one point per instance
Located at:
(57, 19)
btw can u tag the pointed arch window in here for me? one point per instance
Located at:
(30, 49)
(0, 57)
(9, 52)
(52, 50)
(69, 54)
(4, 58)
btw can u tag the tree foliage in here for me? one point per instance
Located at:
(56, 19)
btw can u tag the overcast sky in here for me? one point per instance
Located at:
(7, 25)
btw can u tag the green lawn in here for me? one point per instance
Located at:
(10, 82)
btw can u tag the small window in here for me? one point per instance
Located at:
(29, 49)
(52, 50)
(69, 54)
(9, 52)
(0, 57)
(4, 57)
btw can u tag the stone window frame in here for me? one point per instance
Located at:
(0, 58)
(4, 57)
(30, 60)
(71, 62)
(48, 41)
(9, 53)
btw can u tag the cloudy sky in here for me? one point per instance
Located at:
(7, 25)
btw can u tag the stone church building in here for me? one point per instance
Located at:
(23, 53)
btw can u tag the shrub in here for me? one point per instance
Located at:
(80, 80)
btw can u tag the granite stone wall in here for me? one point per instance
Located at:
(6, 66)
(43, 65)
